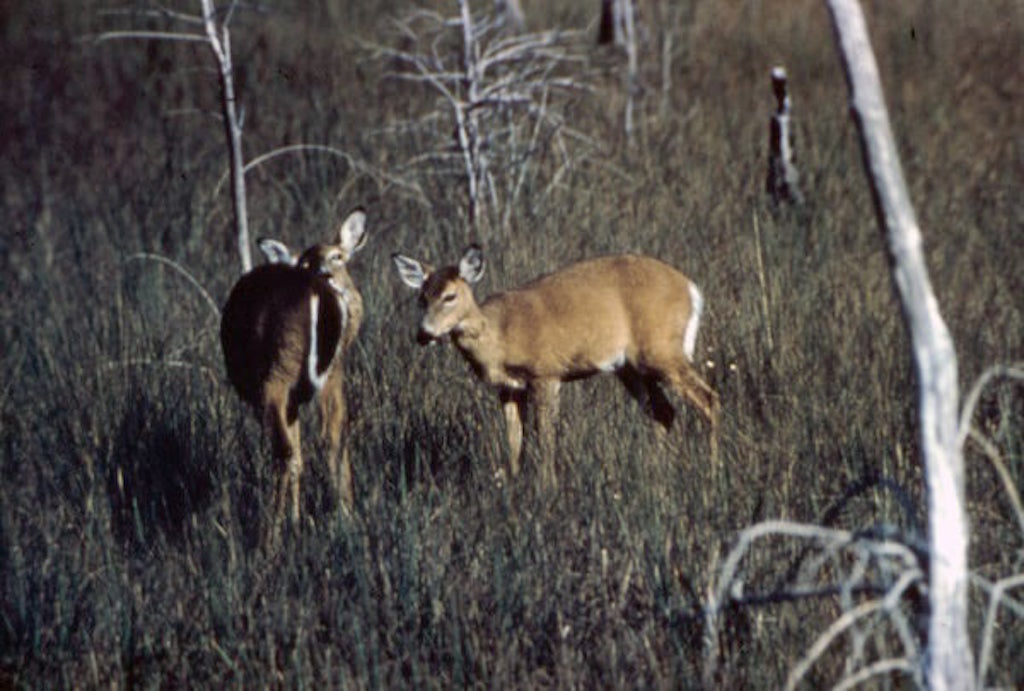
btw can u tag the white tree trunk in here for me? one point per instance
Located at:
(220, 43)
(948, 663)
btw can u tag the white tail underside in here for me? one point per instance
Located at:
(692, 326)
(317, 380)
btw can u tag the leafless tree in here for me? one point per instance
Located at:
(618, 26)
(647, 33)
(211, 26)
(910, 592)
(949, 660)
(783, 183)
(501, 92)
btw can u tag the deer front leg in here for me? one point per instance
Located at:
(334, 423)
(545, 394)
(512, 406)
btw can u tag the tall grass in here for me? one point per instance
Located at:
(134, 483)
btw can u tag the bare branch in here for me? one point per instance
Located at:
(159, 13)
(992, 453)
(995, 600)
(324, 149)
(891, 559)
(149, 36)
(167, 261)
(1013, 605)
(874, 670)
(1014, 371)
(849, 619)
(490, 86)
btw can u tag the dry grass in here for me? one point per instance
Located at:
(134, 484)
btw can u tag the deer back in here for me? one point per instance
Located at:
(283, 325)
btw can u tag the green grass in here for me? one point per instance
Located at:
(134, 484)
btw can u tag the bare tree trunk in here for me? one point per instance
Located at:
(948, 663)
(618, 26)
(220, 43)
(217, 36)
(468, 119)
(783, 182)
(632, 65)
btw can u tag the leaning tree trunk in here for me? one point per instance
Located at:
(948, 660)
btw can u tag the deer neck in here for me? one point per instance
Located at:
(350, 302)
(480, 341)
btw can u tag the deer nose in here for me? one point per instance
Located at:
(423, 337)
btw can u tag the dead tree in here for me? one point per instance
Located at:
(783, 179)
(502, 95)
(948, 660)
(212, 27)
(219, 36)
(618, 26)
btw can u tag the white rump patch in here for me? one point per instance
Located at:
(317, 380)
(614, 364)
(693, 325)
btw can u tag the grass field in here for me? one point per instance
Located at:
(134, 484)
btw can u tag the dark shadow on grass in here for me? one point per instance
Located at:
(416, 452)
(161, 469)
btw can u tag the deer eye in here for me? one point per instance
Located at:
(449, 298)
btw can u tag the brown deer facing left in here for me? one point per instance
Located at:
(284, 331)
(630, 315)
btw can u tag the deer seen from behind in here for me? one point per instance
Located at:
(284, 330)
(630, 315)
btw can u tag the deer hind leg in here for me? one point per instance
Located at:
(545, 394)
(295, 469)
(512, 405)
(334, 422)
(284, 440)
(685, 381)
(645, 390)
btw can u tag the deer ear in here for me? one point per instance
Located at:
(352, 234)
(471, 266)
(276, 251)
(412, 273)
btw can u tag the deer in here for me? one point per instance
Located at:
(284, 330)
(629, 315)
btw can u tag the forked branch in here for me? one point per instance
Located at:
(856, 564)
(499, 92)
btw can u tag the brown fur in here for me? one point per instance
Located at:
(626, 314)
(266, 335)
